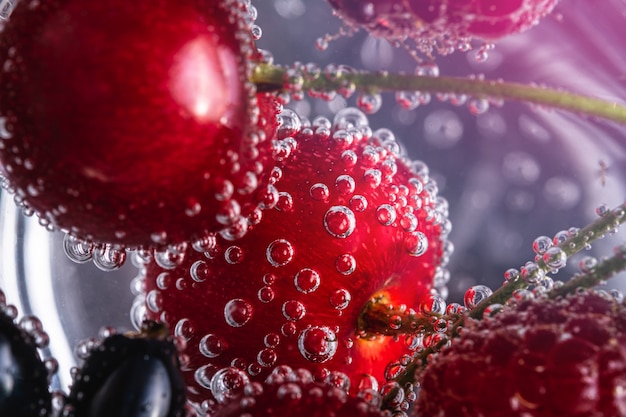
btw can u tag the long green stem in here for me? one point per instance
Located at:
(600, 273)
(269, 77)
(572, 245)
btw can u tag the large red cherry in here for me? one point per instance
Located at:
(347, 219)
(132, 122)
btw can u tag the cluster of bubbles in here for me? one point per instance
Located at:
(345, 79)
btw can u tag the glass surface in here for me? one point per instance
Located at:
(510, 174)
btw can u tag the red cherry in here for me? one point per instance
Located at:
(132, 122)
(347, 220)
(446, 21)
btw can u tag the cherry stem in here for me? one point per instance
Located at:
(379, 317)
(606, 269)
(273, 78)
(574, 244)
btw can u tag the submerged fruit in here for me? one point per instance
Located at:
(443, 22)
(542, 358)
(347, 219)
(24, 378)
(132, 123)
(134, 375)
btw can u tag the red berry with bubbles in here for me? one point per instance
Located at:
(540, 358)
(347, 219)
(293, 392)
(446, 22)
(133, 123)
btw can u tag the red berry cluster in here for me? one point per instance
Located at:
(541, 358)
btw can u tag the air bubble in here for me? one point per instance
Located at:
(265, 294)
(77, 250)
(307, 280)
(289, 124)
(285, 202)
(350, 117)
(429, 69)
(169, 258)
(587, 264)
(386, 214)
(345, 264)
(184, 329)
(416, 243)
(293, 310)
(267, 357)
(358, 203)
(340, 299)
(408, 100)
(555, 258)
(532, 273)
(339, 221)
(511, 274)
(373, 177)
(349, 158)
(319, 192)
(317, 344)
(345, 184)
(541, 244)
(478, 106)
(212, 346)
(370, 103)
(108, 258)
(237, 312)
(199, 271)
(154, 301)
(193, 208)
(433, 304)
(475, 295)
(408, 222)
(234, 255)
(279, 253)
(227, 384)
(271, 340)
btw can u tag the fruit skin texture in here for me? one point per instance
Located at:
(543, 358)
(287, 393)
(484, 19)
(289, 292)
(132, 123)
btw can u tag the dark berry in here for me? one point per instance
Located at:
(130, 376)
(23, 376)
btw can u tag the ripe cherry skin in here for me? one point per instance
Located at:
(132, 123)
(346, 220)
(484, 19)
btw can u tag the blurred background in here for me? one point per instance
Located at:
(510, 174)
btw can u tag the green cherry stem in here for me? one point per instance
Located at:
(574, 244)
(272, 78)
(606, 269)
